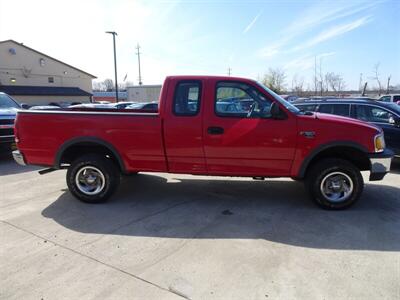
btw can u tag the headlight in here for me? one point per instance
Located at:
(379, 143)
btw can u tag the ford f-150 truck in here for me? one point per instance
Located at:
(206, 125)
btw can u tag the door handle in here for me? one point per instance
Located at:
(215, 130)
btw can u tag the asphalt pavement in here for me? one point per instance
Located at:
(167, 236)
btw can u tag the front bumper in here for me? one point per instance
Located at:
(19, 157)
(380, 164)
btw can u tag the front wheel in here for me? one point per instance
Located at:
(92, 178)
(334, 183)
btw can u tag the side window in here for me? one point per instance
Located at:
(335, 109)
(385, 98)
(373, 114)
(326, 108)
(307, 107)
(187, 98)
(342, 110)
(235, 99)
(396, 98)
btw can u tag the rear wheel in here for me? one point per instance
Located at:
(334, 183)
(93, 178)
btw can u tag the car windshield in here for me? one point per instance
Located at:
(7, 102)
(278, 98)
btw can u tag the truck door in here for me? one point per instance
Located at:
(240, 137)
(183, 133)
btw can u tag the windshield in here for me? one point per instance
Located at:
(7, 102)
(278, 98)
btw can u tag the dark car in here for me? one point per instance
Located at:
(8, 111)
(384, 115)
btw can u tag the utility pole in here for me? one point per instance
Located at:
(360, 83)
(364, 89)
(138, 55)
(388, 85)
(229, 71)
(115, 64)
(320, 75)
(315, 75)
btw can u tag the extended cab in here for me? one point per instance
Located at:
(206, 125)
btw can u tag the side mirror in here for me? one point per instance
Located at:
(25, 106)
(394, 121)
(276, 112)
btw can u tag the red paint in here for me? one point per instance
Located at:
(164, 142)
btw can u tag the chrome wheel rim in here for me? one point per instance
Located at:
(337, 187)
(90, 180)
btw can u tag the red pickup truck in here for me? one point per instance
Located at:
(206, 125)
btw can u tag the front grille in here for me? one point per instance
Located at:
(6, 121)
(7, 131)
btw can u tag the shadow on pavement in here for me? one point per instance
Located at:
(277, 211)
(8, 166)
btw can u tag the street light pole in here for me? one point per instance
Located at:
(115, 63)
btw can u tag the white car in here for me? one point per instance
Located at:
(390, 98)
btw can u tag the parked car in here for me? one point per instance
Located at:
(272, 138)
(390, 98)
(122, 105)
(289, 98)
(8, 112)
(384, 115)
(92, 105)
(149, 106)
(44, 107)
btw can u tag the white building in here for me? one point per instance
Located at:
(32, 77)
(144, 93)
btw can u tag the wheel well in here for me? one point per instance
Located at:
(356, 156)
(72, 152)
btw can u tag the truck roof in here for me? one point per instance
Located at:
(217, 77)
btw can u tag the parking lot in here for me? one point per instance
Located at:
(177, 236)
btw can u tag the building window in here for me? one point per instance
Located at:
(13, 80)
(51, 79)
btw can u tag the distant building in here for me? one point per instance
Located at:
(109, 96)
(32, 77)
(144, 93)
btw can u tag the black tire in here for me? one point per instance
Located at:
(96, 163)
(320, 173)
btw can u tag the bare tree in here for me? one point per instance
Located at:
(109, 85)
(98, 86)
(275, 80)
(335, 82)
(376, 77)
(298, 85)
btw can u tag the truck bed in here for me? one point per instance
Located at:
(136, 135)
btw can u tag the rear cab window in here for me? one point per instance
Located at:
(187, 98)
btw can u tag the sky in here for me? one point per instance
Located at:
(208, 37)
